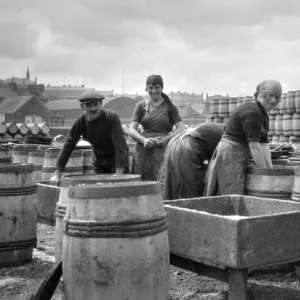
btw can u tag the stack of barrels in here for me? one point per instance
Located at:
(222, 109)
(284, 123)
(12, 132)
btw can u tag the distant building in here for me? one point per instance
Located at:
(21, 109)
(21, 81)
(186, 98)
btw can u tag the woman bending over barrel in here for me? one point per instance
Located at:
(245, 137)
(157, 114)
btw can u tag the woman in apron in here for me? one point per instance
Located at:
(245, 137)
(158, 115)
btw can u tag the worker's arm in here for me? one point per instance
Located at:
(267, 155)
(257, 154)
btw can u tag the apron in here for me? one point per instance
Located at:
(227, 168)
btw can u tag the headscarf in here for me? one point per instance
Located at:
(269, 86)
(157, 80)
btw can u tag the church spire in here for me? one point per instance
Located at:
(28, 74)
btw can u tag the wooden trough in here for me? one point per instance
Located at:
(222, 237)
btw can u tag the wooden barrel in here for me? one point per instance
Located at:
(290, 102)
(287, 124)
(33, 129)
(21, 152)
(278, 125)
(297, 101)
(214, 108)
(283, 139)
(18, 219)
(5, 153)
(3, 128)
(232, 105)
(296, 124)
(73, 167)
(126, 252)
(224, 107)
(22, 128)
(44, 128)
(218, 120)
(12, 128)
(296, 187)
(36, 157)
(7, 137)
(282, 104)
(239, 101)
(272, 125)
(88, 167)
(275, 139)
(18, 137)
(270, 183)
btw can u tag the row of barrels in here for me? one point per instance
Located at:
(217, 120)
(224, 107)
(293, 140)
(24, 129)
(286, 124)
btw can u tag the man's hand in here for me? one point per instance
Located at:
(55, 179)
(149, 143)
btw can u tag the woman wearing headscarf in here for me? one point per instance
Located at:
(182, 174)
(157, 114)
(245, 137)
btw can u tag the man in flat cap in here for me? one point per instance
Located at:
(103, 130)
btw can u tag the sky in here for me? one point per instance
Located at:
(213, 46)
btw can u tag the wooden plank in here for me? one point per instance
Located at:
(48, 285)
(199, 268)
(237, 280)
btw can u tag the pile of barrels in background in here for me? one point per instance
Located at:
(15, 132)
(284, 123)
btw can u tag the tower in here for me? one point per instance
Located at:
(28, 74)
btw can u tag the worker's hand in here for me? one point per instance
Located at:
(55, 180)
(161, 141)
(149, 143)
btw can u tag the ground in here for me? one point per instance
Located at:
(277, 284)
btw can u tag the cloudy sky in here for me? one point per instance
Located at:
(211, 46)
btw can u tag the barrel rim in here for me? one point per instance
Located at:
(114, 190)
(68, 180)
(269, 172)
(16, 167)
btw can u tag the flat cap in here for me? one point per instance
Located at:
(89, 96)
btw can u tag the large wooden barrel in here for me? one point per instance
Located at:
(22, 128)
(5, 153)
(18, 216)
(296, 187)
(7, 137)
(272, 125)
(278, 125)
(122, 230)
(296, 124)
(73, 167)
(3, 128)
(297, 101)
(282, 104)
(36, 157)
(33, 129)
(232, 105)
(214, 108)
(12, 128)
(270, 183)
(18, 137)
(224, 107)
(287, 124)
(290, 102)
(44, 128)
(21, 152)
(88, 167)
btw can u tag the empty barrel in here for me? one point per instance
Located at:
(290, 102)
(5, 153)
(296, 124)
(224, 107)
(22, 128)
(270, 183)
(3, 128)
(282, 104)
(296, 187)
(12, 128)
(272, 125)
(287, 124)
(297, 101)
(121, 229)
(232, 105)
(36, 157)
(278, 125)
(214, 108)
(33, 129)
(21, 152)
(18, 218)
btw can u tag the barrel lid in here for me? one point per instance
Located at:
(68, 180)
(11, 167)
(270, 172)
(114, 190)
